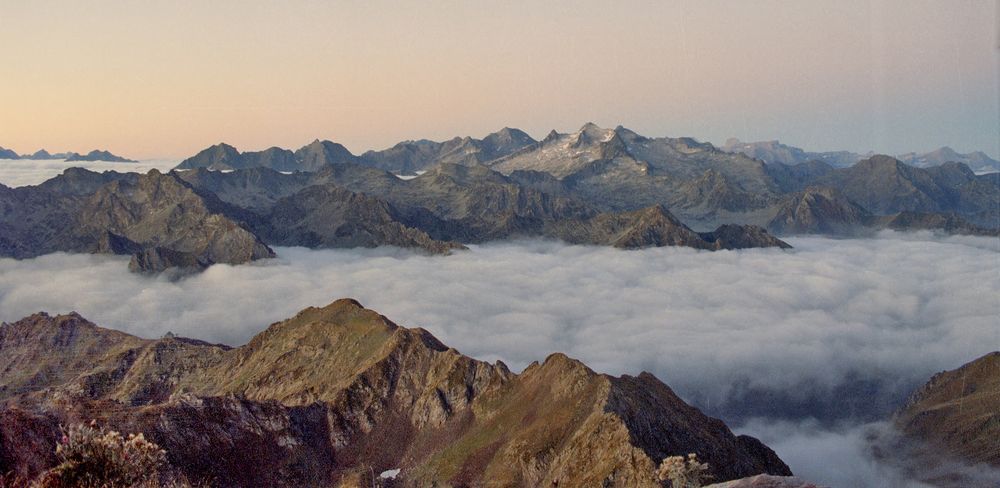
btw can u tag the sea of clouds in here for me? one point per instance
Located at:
(802, 347)
(23, 172)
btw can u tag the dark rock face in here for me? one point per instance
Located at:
(336, 392)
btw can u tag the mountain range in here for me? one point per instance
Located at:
(595, 186)
(776, 152)
(335, 395)
(703, 186)
(41, 154)
(191, 219)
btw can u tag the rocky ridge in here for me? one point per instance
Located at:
(945, 435)
(338, 392)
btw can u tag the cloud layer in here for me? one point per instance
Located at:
(840, 330)
(21, 172)
(900, 306)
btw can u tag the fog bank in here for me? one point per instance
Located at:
(22, 172)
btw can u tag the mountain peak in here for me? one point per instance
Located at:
(551, 136)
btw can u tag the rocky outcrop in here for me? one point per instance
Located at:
(338, 392)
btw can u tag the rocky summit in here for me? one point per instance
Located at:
(335, 395)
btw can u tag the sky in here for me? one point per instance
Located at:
(166, 79)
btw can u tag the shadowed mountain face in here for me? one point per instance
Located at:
(156, 218)
(337, 392)
(454, 203)
(194, 218)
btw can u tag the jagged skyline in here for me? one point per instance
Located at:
(165, 81)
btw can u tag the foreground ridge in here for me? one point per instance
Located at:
(338, 393)
(946, 434)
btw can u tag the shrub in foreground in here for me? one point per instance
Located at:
(683, 473)
(93, 457)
